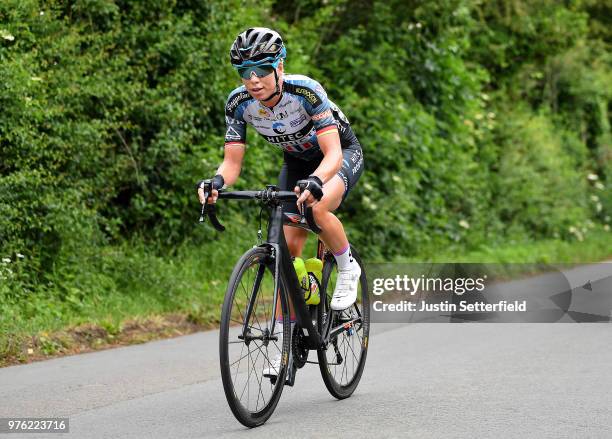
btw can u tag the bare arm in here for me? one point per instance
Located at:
(332, 152)
(329, 166)
(232, 163)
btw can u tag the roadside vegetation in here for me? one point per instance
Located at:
(485, 128)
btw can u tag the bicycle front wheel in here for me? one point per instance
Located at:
(249, 339)
(343, 360)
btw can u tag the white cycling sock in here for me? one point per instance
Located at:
(344, 259)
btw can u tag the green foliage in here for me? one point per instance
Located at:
(481, 123)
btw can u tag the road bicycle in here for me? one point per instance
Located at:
(262, 290)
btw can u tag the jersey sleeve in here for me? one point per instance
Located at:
(235, 133)
(317, 105)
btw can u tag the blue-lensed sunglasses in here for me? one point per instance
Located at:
(261, 71)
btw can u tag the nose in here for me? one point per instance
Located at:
(253, 78)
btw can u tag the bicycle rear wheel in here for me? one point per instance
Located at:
(342, 363)
(245, 350)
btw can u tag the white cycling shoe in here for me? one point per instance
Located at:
(274, 367)
(275, 363)
(345, 293)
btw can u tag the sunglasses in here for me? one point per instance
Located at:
(260, 70)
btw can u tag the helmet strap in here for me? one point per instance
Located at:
(276, 92)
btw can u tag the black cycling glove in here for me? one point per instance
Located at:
(314, 184)
(217, 182)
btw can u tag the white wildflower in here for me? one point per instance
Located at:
(464, 224)
(6, 260)
(599, 185)
(594, 198)
(20, 256)
(6, 35)
(592, 177)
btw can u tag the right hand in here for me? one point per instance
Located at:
(217, 183)
(212, 199)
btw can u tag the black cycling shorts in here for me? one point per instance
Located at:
(295, 169)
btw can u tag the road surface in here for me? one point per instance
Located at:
(421, 380)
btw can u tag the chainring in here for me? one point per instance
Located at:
(300, 353)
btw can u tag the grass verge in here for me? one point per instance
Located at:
(129, 295)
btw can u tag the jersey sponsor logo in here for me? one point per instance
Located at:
(308, 94)
(298, 121)
(326, 113)
(263, 112)
(279, 128)
(232, 134)
(282, 115)
(291, 137)
(284, 138)
(236, 100)
(232, 121)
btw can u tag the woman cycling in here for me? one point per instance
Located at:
(293, 113)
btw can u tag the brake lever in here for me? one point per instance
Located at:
(212, 215)
(203, 212)
(211, 212)
(307, 212)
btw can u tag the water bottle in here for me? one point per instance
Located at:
(302, 274)
(309, 273)
(314, 267)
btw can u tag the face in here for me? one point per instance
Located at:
(261, 88)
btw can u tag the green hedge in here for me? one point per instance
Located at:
(481, 122)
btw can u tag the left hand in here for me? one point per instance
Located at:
(310, 196)
(304, 197)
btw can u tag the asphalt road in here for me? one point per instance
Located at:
(421, 380)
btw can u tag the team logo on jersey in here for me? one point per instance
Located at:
(298, 121)
(278, 127)
(308, 94)
(282, 115)
(263, 113)
(232, 134)
(240, 97)
(325, 114)
(231, 121)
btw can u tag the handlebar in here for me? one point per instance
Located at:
(268, 195)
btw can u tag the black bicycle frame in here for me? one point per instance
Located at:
(283, 269)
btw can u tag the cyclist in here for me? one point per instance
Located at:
(293, 113)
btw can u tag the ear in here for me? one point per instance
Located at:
(281, 67)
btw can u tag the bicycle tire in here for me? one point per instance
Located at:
(231, 328)
(335, 386)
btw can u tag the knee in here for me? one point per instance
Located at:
(319, 210)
